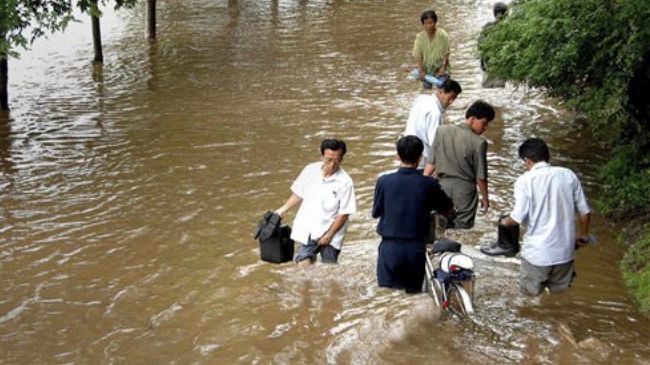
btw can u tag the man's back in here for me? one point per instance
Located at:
(460, 153)
(424, 119)
(547, 198)
(404, 200)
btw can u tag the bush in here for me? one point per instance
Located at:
(625, 188)
(636, 269)
(595, 55)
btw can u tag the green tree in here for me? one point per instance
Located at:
(21, 22)
(91, 7)
(594, 54)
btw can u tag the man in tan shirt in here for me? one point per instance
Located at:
(460, 157)
(431, 49)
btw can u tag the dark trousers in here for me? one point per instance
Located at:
(400, 264)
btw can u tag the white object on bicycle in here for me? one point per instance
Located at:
(449, 260)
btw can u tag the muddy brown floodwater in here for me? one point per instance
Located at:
(129, 192)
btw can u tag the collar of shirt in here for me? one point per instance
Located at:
(332, 177)
(408, 170)
(438, 103)
(540, 165)
(465, 126)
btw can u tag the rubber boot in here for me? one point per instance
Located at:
(507, 243)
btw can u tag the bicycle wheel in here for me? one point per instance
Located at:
(460, 303)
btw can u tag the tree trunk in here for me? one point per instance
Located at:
(97, 39)
(4, 78)
(151, 19)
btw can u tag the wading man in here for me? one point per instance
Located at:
(500, 10)
(326, 196)
(426, 116)
(546, 201)
(403, 202)
(460, 161)
(431, 49)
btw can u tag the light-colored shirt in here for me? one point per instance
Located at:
(546, 200)
(323, 199)
(424, 119)
(433, 51)
(459, 153)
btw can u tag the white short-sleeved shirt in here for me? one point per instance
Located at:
(425, 117)
(546, 200)
(323, 198)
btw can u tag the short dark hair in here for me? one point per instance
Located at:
(500, 8)
(450, 86)
(409, 149)
(480, 109)
(334, 145)
(534, 149)
(428, 14)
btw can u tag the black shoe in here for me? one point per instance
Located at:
(496, 250)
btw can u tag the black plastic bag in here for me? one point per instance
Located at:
(276, 245)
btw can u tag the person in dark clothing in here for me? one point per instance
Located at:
(500, 10)
(403, 202)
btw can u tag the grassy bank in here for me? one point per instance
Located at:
(636, 266)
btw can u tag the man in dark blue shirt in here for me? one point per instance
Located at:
(403, 202)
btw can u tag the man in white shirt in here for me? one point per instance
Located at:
(426, 116)
(546, 200)
(326, 196)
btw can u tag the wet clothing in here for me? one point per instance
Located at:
(403, 201)
(460, 157)
(433, 51)
(546, 201)
(400, 264)
(557, 278)
(309, 251)
(323, 199)
(465, 198)
(424, 119)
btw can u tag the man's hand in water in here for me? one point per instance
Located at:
(485, 204)
(325, 240)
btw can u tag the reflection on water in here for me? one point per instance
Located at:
(129, 191)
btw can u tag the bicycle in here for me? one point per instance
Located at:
(449, 276)
(450, 279)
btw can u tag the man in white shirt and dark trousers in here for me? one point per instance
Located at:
(326, 196)
(546, 201)
(426, 116)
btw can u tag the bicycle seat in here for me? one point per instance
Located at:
(454, 261)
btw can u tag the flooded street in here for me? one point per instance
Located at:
(129, 193)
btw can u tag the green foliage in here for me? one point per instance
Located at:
(92, 6)
(625, 182)
(585, 51)
(22, 21)
(595, 55)
(636, 270)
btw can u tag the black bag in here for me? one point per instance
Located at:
(279, 247)
(268, 226)
(276, 245)
(445, 245)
